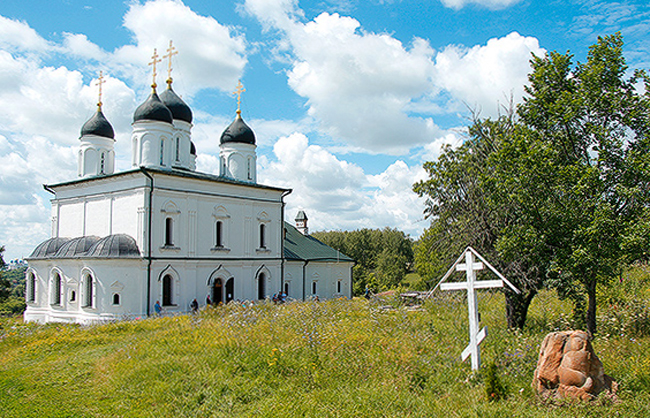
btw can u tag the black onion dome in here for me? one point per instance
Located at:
(239, 132)
(115, 246)
(98, 125)
(48, 248)
(192, 148)
(180, 110)
(76, 247)
(153, 109)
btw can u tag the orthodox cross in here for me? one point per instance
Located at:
(238, 92)
(99, 83)
(154, 61)
(171, 51)
(470, 267)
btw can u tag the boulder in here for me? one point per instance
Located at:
(568, 367)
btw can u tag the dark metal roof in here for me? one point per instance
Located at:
(76, 247)
(49, 247)
(98, 125)
(115, 246)
(307, 248)
(153, 109)
(169, 172)
(180, 110)
(238, 132)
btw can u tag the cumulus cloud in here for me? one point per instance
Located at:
(486, 77)
(211, 55)
(375, 94)
(15, 35)
(339, 195)
(490, 4)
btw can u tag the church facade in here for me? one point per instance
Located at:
(162, 233)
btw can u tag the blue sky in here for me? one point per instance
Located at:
(347, 97)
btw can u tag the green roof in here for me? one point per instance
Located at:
(307, 248)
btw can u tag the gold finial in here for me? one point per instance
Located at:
(99, 83)
(170, 52)
(238, 92)
(154, 61)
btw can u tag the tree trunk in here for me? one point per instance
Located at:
(517, 307)
(591, 307)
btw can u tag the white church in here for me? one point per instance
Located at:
(163, 232)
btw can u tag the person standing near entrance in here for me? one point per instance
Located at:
(208, 301)
(194, 305)
(157, 308)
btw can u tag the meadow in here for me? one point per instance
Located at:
(339, 358)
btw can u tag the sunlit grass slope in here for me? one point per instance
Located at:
(329, 359)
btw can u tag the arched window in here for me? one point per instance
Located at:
(338, 287)
(56, 289)
(219, 234)
(261, 291)
(73, 296)
(31, 287)
(116, 298)
(250, 177)
(169, 228)
(262, 236)
(102, 163)
(162, 152)
(313, 288)
(167, 290)
(178, 149)
(88, 291)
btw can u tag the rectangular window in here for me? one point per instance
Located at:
(313, 288)
(262, 236)
(219, 232)
(169, 226)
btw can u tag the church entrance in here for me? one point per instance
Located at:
(230, 289)
(261, 291)
(217, 292)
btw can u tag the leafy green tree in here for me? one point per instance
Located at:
(593, 126)
(5, 286)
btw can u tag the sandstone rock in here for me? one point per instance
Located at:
(568, 367)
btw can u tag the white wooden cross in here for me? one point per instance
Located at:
(471, 267)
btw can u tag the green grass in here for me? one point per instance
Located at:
(330, 359)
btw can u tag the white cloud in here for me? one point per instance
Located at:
(79, 46)
(490, 4)
(210, 55)
(486, 77)
(16, 35)
(339, 195)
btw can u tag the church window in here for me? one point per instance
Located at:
(313, 288)
(286, 288)
(73, 296)
(88, 291)
(116, 298)
(230, 289)
(102, 163)
(261, 291)
(178, 150)
(223, 166)
(169, 228)
(219, 234)
(262, 236)
(338, 287)
(31, 287)
(162, 152)
(249, 170)
(56, 289)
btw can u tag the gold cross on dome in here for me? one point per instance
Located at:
(154, 61)
(100, 81)
(238, 92)
(171, 51)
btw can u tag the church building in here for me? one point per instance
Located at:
(164, 232)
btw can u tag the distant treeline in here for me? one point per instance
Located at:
(383, 256)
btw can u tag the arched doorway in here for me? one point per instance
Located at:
(167, 283)
(217, 291)
(261, 291)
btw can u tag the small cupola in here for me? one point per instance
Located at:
(153, 109)
(301, 222)
(98, 125)
(179, 109)
(237, 148)
(96, 148)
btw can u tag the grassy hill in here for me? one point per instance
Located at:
(329, 359)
